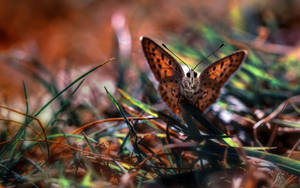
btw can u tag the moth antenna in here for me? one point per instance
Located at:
(209, 55)
(175, 55)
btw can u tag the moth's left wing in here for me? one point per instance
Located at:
(215, 76)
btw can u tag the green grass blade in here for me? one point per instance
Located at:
(138, 103)
(70, 85)
(290, 165)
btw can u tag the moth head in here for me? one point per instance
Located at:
(191, 74)
(190, 84)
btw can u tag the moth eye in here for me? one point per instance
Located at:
(188, 74)
(195, 74)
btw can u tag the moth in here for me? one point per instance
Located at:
(200, 90)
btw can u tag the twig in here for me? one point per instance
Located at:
(276, 112)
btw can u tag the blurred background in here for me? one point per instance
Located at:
(68, 34)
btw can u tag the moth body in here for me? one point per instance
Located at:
(190, 85)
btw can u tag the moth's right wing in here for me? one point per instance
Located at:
(162, 64)
(166, 70)
(169, 91)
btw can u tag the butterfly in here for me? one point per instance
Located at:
(175, 86)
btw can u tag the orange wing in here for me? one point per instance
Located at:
(215, 76)
(166, 70)
(169, 91)
(162, 64)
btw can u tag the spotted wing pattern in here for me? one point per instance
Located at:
(169, 91)
(166, 70)
(162, 64)
(215, 76)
